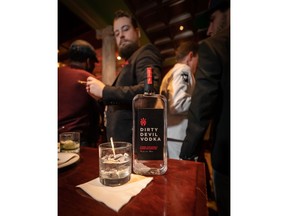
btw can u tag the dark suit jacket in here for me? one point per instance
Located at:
(128, 84)
(211, 101)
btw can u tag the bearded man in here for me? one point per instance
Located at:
(130, 80)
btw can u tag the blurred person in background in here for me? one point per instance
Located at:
(177, 86)
(211, 102)
(77, 110)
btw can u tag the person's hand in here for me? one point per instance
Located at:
(94, 87)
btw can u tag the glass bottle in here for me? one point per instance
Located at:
(149, 130)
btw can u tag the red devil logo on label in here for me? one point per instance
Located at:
(143, 122)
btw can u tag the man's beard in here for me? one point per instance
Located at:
(126, 51)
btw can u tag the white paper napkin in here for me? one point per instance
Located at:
(115, 197)
(64, 157)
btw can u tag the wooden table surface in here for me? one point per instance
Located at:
(181, 191)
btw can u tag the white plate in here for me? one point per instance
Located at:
(75, 157)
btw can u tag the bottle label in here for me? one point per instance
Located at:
(149, 134)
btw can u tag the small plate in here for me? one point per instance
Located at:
(74, 158)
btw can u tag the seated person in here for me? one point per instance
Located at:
(77, 110)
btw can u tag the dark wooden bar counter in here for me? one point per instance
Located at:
(181, 191)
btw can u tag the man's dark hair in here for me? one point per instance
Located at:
(120, 13)
(81, 50)
(185, 48)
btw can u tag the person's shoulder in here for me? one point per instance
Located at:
(84, 72)
(150, 47)
(76, 72)
(147, 50)
(179, 67)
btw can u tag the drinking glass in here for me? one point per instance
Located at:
(115, 165)
(70, 142)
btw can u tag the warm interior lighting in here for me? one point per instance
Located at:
(181, 28)
(119, 58)
(60, 64)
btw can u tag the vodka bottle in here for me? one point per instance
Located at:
(149, 130)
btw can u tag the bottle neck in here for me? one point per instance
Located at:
(149, 87)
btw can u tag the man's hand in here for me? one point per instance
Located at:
(94, 87)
